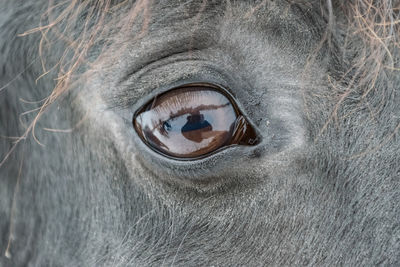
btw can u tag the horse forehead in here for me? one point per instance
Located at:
(198, 14)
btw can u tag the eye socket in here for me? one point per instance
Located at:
(192, 121)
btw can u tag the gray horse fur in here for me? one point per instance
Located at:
(321, 188)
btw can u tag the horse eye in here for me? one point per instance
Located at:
(192, 121)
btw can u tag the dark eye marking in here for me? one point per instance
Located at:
(193, 121)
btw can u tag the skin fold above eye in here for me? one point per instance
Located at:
(192, 121)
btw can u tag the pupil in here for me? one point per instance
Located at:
(195, 126)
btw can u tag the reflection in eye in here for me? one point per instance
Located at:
(192, 121)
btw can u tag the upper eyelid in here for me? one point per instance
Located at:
(155, 63)
(179, 46)
(185, 72)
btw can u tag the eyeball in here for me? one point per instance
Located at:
(192, 121)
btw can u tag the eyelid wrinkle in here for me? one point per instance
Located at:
(163, 50)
